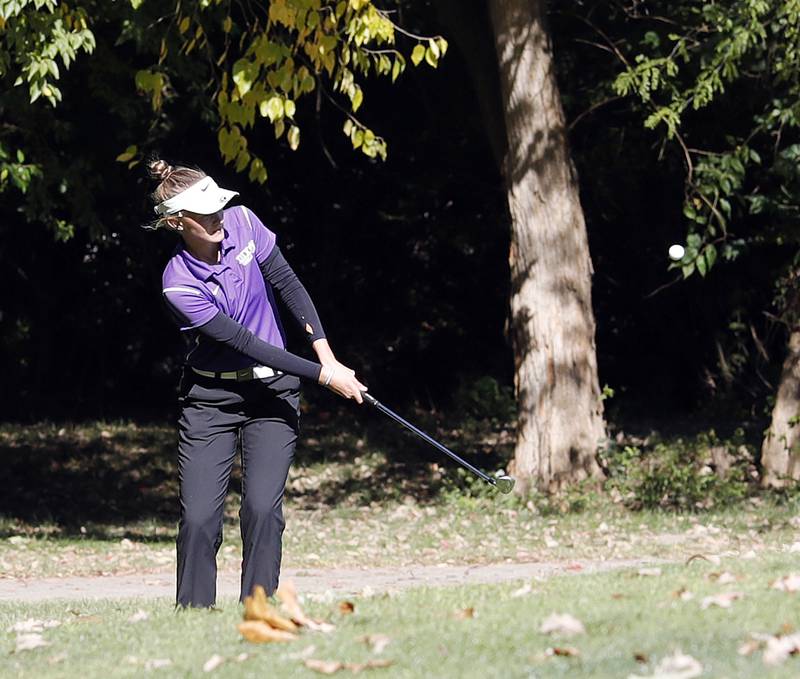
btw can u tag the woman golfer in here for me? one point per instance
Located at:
(239, 382)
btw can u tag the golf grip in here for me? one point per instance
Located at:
(375, 402)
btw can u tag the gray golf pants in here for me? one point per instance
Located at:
(264, 415)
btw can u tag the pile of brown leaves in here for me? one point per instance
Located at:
(264, 623)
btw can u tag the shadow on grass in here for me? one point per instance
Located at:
(120, 474)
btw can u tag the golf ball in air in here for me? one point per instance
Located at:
(676, 252)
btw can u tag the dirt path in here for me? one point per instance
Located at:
(308, 581)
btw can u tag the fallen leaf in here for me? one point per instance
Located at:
(256, 607)
(26, 642)
(258, 632)
(723, 600)
(376, 641)
(139, 616)
(683, 594)
(288, 596)
(33, 625)
(213, 663)
(640, 657)
(566, 651)
(242, 657)
(711, 558)
(333, 666)
(464, 613)
(57, 658)
(522, 591)
(778, 649)
(346, 607)
(675, 666)
(649, 572)
(355, 667)
(724, 578)
(562, 624)
(157, 663)
(788, 583)
(307, 652)
(748, 647)
(323, 666)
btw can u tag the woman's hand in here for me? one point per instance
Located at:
(342, 380)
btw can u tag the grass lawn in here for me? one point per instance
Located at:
(101, 498)
(631, 622)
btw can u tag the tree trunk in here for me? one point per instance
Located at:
(560, 423)
(780, 451)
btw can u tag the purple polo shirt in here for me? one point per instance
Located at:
(196, 292)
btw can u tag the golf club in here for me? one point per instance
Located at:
(505, 484)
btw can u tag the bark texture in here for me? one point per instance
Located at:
(553, 329)
(780, 451)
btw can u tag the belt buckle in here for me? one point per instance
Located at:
(244, 374)
(261, 372)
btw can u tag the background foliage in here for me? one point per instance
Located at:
(681, 122)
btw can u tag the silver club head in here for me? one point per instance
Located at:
(505, 484)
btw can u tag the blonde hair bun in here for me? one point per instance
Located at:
(160, 169)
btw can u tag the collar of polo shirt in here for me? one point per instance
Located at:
(204, 197)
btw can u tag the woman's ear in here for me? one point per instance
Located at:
(175, 222)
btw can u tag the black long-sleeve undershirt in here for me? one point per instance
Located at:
(224, 329)
(282, 278)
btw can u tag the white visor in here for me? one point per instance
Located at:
(203, 197)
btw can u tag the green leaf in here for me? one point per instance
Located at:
(348, 126)
(702, 265)
(430, 56)
(289, 108)
(417, 55)
(242, 160)
(244, 73)
(358, 97)
(258, 173)
(693, 240)
(127, 155)
(395, 70)
(710, 255)
(272, 108)
(294, 137)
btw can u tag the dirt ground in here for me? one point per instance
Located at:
(318, 583)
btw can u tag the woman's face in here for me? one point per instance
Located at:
(205, 228)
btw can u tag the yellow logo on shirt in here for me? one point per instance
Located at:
(246, 255)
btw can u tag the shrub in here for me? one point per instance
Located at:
(681, 474)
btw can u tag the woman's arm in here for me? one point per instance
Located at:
(282, 278)
(232, 334)
(279, 274)
(224, 329)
